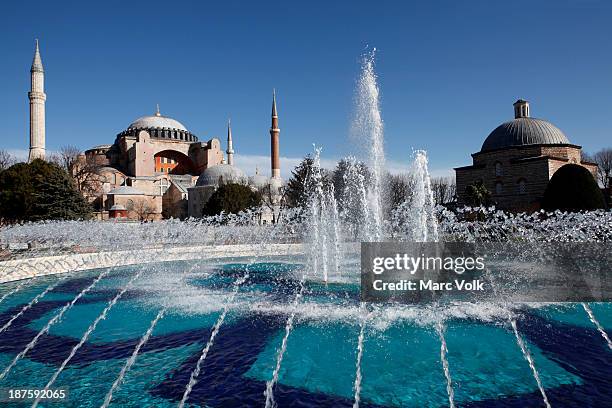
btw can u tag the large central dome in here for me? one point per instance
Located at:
(524, 130)
(157, 122)
(160, 127)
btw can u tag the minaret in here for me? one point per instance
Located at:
(230, 147)
(274, 134)
(37, 108)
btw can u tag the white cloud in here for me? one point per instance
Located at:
(19, 154)
(248, 163)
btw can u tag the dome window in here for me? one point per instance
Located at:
(499, 188)
(522, 186)
(499, 171)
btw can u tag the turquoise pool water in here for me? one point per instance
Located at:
(401, 363)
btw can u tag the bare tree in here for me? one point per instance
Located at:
(274, 199)
(603, 159)
(6, 160)
(84, 170)
(400, 189)
(444, 190)
(141, 208)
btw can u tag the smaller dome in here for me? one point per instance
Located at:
(258, 180)
(221, 172)
(125, 190)
(522, 132)
(117, 207)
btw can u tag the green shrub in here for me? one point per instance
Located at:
(40, 191)
(231, 198)
(572, 188)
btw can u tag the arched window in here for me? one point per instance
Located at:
(498, 169)
(522, 186)
(499, 188)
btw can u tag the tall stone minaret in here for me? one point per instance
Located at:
(37, 108)
(274, 135)
(230, 147)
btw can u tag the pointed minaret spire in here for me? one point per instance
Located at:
(37, 107)
(230, 147)
(274, 136)
(157, 110)
(37, 65)
(274, 113)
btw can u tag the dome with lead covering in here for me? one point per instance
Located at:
(523, 131)
(160, 127)
(258, 180)
(221, 173)
(156, 122)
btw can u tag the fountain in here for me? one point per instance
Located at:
(222, 311)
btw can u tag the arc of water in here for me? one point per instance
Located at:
(29, 305)
(16, 288)
(521, 343)
(529, 358)
(130, 362)
(196, 372)
(145, 338)
(51, 322)
(598, 325)
(269, 392)
(360, 341)
(445, 367)
(90, 330)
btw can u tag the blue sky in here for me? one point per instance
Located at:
(449, 71)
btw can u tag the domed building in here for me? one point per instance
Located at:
(517, 160)
(225, 172)
(152, 164)
(173, 172)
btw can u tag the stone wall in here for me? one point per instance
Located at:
(50, 265)
(523, 172)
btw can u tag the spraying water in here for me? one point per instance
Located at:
(597, 324)
(368, 127)
(529, 358)
(237, 284)
(16, 289)
(130, 362)
(90, 330)
(28, 306)
(51, 322)
(360, 341)
(445, 367)
(324, 229)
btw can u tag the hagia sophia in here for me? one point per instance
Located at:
(156, 165)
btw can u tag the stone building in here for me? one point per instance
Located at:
(517, 160)
(226, 172)
(148, 172)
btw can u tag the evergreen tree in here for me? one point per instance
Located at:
(572, 188)
(297, 191)
(231, 198)
(40, 191)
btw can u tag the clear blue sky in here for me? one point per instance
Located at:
(449, 71)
